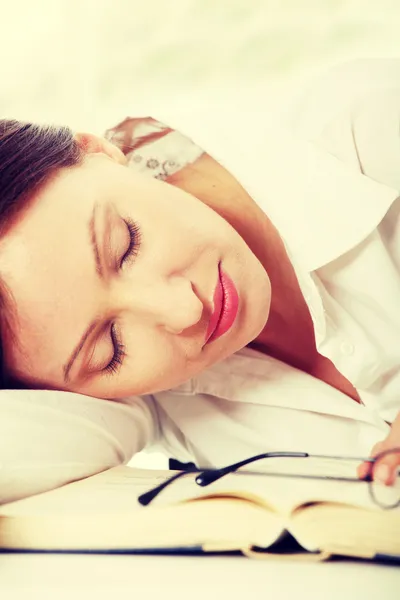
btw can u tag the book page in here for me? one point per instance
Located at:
(111, 491)
(347, 530)
(103, 512)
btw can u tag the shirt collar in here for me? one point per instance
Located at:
(321, 206)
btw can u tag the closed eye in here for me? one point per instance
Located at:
(130, 253)
(134, 242)
(118, 355)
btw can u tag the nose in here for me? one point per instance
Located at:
(167, 302)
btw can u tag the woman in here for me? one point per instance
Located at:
(116, 284)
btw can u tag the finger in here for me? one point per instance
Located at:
(385, 470)
(379, 447)
(363, 470)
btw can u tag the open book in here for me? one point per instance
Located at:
(246, 512)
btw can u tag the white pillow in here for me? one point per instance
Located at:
(49, 438)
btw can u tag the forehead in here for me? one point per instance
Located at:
(46, 263)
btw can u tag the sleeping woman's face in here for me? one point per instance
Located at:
(112, 278)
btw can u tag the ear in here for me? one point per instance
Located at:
(92, 144)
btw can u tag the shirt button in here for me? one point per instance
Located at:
(347, 348)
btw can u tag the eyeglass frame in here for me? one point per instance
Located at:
(207, 476)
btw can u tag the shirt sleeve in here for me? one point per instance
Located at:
(50, 438)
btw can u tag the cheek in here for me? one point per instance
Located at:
(149, 366)
(155, 360)
(168, 212)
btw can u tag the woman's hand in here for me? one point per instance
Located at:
(389, 465)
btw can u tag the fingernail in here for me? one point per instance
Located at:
(382, 473)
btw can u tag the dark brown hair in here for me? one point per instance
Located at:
(29, 155)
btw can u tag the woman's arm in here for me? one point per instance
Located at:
(49, 438)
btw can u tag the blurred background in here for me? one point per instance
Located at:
(88, 63)
(91, 63)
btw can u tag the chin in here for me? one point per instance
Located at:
(256, 321)
(244, 337)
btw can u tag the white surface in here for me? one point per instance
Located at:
(55, 577)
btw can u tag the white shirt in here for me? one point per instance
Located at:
(330, 182)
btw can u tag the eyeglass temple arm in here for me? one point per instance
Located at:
(147, 497)
(207, 477)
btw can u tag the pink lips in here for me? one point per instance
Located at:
(226, 305)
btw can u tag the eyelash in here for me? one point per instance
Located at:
(132, 251)
(134, 241)
(119, 353)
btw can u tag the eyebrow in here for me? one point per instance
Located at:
(93, 242)
(96, 254)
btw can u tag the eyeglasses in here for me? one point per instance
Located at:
(378, 491)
